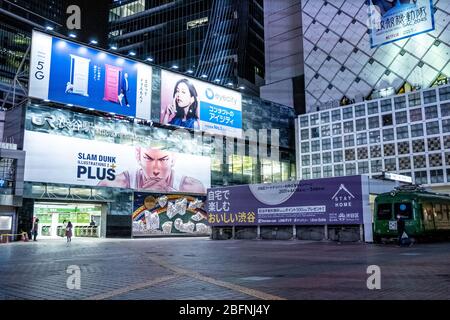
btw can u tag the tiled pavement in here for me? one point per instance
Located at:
(202, 269)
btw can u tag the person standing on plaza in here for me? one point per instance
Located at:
(69, 232)
(400, 229)
(34, 230)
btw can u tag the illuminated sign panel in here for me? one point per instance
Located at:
(399, 19)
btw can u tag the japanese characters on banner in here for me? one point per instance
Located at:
(66, 160)
(398, 19)
(309, 202)
(165, 214)
(198, 105)
(66, 72)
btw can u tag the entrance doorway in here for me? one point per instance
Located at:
(53, 218)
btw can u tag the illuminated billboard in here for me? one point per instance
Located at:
(392, 20)
(66, 160)
(198, 105)
(66, 72)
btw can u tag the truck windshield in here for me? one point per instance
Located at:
(404, 210)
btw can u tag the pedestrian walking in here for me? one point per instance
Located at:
(69, 232)
(34, 230)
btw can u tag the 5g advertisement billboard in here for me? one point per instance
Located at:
(66, 72)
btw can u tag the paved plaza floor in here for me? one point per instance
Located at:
(203, 269)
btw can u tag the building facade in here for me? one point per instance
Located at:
(408, 134)
(217, 41)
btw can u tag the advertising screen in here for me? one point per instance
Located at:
(198, 105)
(157, 214)
(392, 20)
(66, 160)
(310, 202)
(66, 72)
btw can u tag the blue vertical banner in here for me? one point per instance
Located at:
(393, 20)
(67, 72)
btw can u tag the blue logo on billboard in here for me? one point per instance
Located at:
(209, 94)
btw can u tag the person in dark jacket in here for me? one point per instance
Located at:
(34, 230)
(400, 229)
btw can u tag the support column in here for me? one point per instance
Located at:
(233, 232)
(294, 232)
(258, 233)
(361, 233)
(325, 228)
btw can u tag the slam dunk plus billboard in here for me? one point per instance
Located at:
(198, 105)
(309, 202)
(392, 20)
(66, 72)
(66, 160)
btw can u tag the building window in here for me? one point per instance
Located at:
(363, 167)
(336, 115)
(418, 146)
(400, 103)
(374, 137)
(401, 117)
(314, 118)
(437, 176)
(403, 147)
(325, 117)
(447, 159)
(337, 129)
(360, 111)
(315, 133)
(327, 171)
(429, 96)
(306, 160)
(361, 125)
(317, 172)
(417, 130)
(421, 177)
(433, 127)
(419, 162)
(445, 110)
(389, 149)
(415, 115)
(361, 138)
(304, 122)
(434, 144)
(372, 108)
(446, 125)
(374, 122)
(350, 155)
(404, 163)
(431, 112)
(326, 144)
(444, 93)
(349, 140)
(350, 169)
(390, 164)
(447, 142)
(375, 151)
(414, 99)
(338, 170)
(305, 147)
(402, 133)
(337, 142)
(315, 146)
(448, 180)
(362, 153)
(386, 105)
(376, 166)
(304, 134)
(197, 23)
(348, 127)
(387, 120)
(326, 157)
(435, 160)
(337, 156)
(388, 135)
(347, 113)
(316, 159)
(325, 131)
(306, 173)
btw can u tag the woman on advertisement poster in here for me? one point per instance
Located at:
(184, 110)
(155, 173)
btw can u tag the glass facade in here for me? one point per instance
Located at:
(408, 134)
(220, 41)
